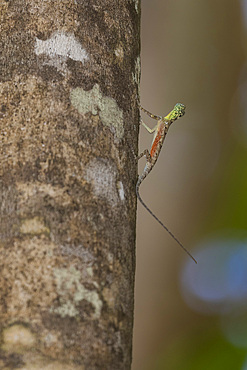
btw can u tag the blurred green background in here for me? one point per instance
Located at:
(191, 316)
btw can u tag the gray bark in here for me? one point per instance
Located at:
(69, 75)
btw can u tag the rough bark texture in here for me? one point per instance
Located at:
(69, 74)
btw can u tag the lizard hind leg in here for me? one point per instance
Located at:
(146, 154)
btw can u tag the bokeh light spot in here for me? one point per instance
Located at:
(219, 281)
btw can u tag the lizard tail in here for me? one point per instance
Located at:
(156, 218)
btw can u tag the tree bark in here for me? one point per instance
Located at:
(69, 76)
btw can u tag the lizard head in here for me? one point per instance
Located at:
(177, 112)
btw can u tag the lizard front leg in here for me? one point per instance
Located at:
(150, 114)
(150, 130)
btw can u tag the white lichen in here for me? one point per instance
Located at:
(137, 73)
(102, 175)
(59, 47)
(61, 44)
(120, 190)
(136, 2)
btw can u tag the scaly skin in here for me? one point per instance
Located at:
(160, 131)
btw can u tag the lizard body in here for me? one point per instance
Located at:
(160, 132)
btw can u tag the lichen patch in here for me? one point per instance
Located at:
(34, 226)
(94, 102)
(71, 292)
(136, 2)
(61, 44)
(110, 295)
(102, 174)
(119, 52)
(137, 72)
(120, 190)
(34, 189)
(58, 48)
(19, 277)
(16, 337)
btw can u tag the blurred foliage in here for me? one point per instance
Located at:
(229, 203)
(194, 52)
(204, 350)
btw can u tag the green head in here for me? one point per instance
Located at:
(177, 112)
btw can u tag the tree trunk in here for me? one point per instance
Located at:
(69, 75)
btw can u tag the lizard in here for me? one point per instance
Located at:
(160, 132)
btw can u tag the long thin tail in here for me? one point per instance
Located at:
(156, 218)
